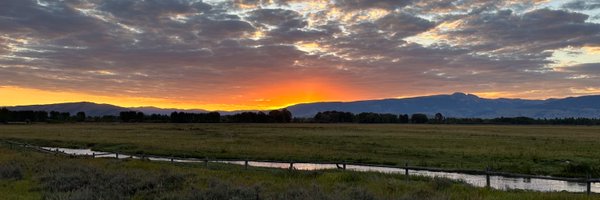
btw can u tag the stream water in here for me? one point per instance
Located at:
(496, 182)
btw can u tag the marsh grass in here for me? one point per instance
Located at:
(47, 176)
(11, 170)
(541, 150)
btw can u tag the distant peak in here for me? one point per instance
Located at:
(463, 95)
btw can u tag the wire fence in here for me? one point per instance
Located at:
(293, 165)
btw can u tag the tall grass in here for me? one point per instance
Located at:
(544, 150)
(45, 176)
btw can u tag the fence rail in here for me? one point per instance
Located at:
(339, 165)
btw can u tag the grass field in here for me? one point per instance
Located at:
(570, 151)
(25, 174)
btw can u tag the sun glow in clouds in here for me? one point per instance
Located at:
(566, 57)
(264, 54)
(302, 91)
(310, 47)
(271, 96)
(436, 35)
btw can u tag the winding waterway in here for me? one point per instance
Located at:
(496, 181)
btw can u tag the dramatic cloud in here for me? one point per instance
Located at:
(365, 4)
(582, 5)
(270, 53)
(533, 31)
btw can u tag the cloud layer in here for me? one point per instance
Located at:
(243, 52)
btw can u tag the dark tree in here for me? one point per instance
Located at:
(80, 116)
(59, 116)
(368, 118)
(280, 116)
(439, 118)
(274, 116)
(54, 115)
(334, 117)
(108, 118)
(182, 117)
(250, 117)
(4, 115)
(419, 118)
(64, 116)
(513, 120)
(41, 116)
(287, 115)
(403, 119)
(155, 118)
(376, 118)
(262, 117)
(131, 116)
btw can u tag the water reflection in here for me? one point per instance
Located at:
(496, 182)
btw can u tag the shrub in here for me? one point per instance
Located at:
(85, 182)
(441, 183)
(11, 170)
(579, 169)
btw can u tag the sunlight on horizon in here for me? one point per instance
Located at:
(266, 98)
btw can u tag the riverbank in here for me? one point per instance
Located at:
(25, 174)
(488, 179)
(563, 151)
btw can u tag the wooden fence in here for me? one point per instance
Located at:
(339, 165)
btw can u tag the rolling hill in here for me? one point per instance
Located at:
(464, 105)
(453, 105)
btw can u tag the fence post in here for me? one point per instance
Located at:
(406, 171)
(206, 161)
(117, 155)
(344, 165)
(246, 164)
(171, 158)
(487, 177)
(257, 193)
(291, 166)
(589, 184)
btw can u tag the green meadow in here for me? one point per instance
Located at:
(568, 151)
(26, 174)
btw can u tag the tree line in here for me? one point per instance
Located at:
(367, 117)
(278, 116)
(39, 116)
(274, 116)
(438, 118)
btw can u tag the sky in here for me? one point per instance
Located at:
(266, 54)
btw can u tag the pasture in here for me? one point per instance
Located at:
(569, 151)
(26, 174)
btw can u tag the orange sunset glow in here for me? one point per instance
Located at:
(257, 55)
(299, 99)
(264, 98)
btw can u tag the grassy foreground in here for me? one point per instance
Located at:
(25, 174)
(547, 150)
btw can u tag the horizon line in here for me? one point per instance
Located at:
(289, 105)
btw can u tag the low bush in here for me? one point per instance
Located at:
(87, 182)
(11, 170)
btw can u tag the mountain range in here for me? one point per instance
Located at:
(453, 105)
(465, 105)
(94, 109)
